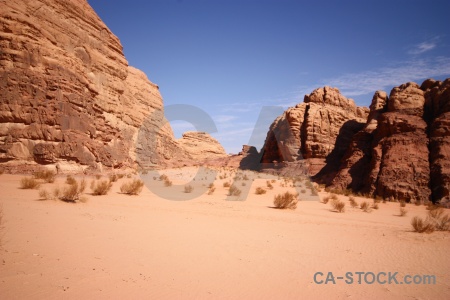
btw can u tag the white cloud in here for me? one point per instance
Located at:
(422, 47)
(355, 84)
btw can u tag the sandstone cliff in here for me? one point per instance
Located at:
(401, 150)
(69, 96)
(310, 130)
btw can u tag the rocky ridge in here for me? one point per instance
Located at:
(69, 97)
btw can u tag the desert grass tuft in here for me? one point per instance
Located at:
(29, 183)
(269, 185)
(260, 191)
(132, 188)
(70, 179)
(211, 190)
(234, 191)
(286, 200)
(439, 219)
(365, 206)
(338, 205)
(403, 211)
(101, 187)
(188, 188)
(46, 175)
(73, 192)
(353, 202)
(420, 225)
(226, 184)
(167, 182)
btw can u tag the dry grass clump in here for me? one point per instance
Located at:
(326, 199)
(167, 181)
(226, 184)
(29, 183)
(269, 185)
(113, 178)
(435, 220)
(70, 179)
(211, 190)
(286, 200)
(163, 177)
(365, 206)
(101, 187)
(260, 191)
(188, 188)
(353, 202)
(234, 191)
(402, 203)
(132, 188)
(375, 205)
(421, 225)
(46, 175)
(245, 177)
(439, 219)
(72, 192)
(338, 205)
(403, 211)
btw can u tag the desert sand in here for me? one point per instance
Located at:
(147, 247)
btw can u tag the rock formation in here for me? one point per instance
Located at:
(402, 150)
(310, 129)
(69, 96)
(200, 145)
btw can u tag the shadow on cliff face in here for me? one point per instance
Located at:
(251, 159)
(333, 160)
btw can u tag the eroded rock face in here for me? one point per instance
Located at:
(68, 94)
(310, 130)
(200, 145)
(403, 151)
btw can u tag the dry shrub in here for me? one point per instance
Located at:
(269, 185)
(163, 177)
(44, 194)
(421, 225)
(334, 197)
(439, 219)
(188, 188)
(132, 188)
(365, 206)
(101, 187)
(245, 177)
(46, 175)
(402, 203)
(29, 183)
(211, 190)
(73, 192)
(226, 184)
(403, 211)
(167, 182)
(260, 191)
(70, 179)
(234, 191)
(338, 205)
(113, 178)
(326, 199)
(375, 205)
(286, 200)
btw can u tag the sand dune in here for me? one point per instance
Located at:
(146, 247)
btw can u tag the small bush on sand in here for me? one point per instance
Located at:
(260, 191)
(338, 205)
(70, 179)
(211, 190)
(132, 188)
(286, 200)
(46, 175)
(402, 203)
(73, 192)
(269, 185)
(211, 185)
(421, 225)
(163, 177)
(334, 197)
(44, 194)
(353, 202)
(234, 191)
(101, 187)
(167, 182)
(326, 199)
(113, 178)
(439, 219)
(365, 206)
(29, 183)
(403, 211)
(188, 188)
(375, 205)
(226, 184)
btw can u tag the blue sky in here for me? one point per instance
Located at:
(232, 58)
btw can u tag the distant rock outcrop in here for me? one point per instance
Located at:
(69, 96)
(402, 150)
(200, 145)
(310, 130)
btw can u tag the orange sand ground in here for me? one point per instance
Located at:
(145, 247)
